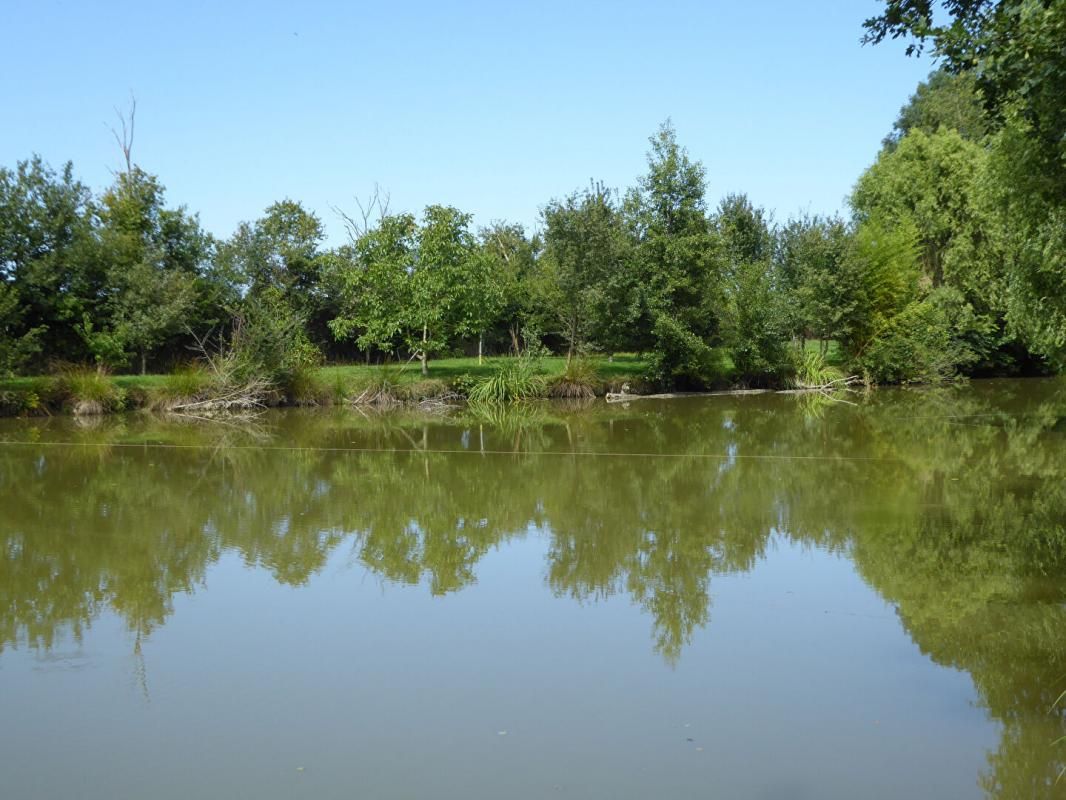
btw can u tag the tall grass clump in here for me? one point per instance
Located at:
(812, 371)
(86, 390)
(517, 378)
(579, 380)
(188, 383)
(381, 387)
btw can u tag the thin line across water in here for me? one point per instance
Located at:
(448, 451)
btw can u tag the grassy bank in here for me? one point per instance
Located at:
(84, 391)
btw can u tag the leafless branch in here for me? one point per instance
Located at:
(375, 206)
(124, 139)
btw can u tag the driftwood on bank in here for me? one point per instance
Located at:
(625, 397)
(825, 388)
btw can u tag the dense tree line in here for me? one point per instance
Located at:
(951, 261)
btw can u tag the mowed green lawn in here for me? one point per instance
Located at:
(448, 369)
(445, 369)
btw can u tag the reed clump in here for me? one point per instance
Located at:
(579, 380)
(514, 379)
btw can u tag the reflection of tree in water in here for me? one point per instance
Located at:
(959, 520)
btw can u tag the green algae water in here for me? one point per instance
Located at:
(766, 596)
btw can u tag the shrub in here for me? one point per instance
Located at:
(269, 342)
(681, 358)
(15, 402)
(927, 342)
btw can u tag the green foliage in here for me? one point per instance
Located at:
(929, 181)
(416, 287)
(677, 257)
(17, 345)
(682, 358)
(945, 100)
(48, 256)
(961, 209)
(755, 320)
(808, 256)
(154, 257)
(1013, 49)
(878, 278)
(928, 341)
(1026, 235)
(583, 281)
(512, 264)
(269, 342)
(514, 379)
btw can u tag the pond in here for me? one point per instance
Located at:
(769, 596)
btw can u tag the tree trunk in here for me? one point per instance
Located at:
(422, 356)
(144, 362)
(515, 346)
(480, 347)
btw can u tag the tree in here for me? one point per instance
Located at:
(583, 271)
(279, 250)
(48, 259)
(1013, 48)
(754, 320)
(929, 179)
(878, 278)
(415, 286)
(452, 291)
(513, 259)
(944, 100)
(681, 302)
(373, 278)
(809, 252)
(155, 257)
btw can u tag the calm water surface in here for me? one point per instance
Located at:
(730, 597)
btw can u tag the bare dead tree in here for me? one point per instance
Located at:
(376, 206)
(124, 134)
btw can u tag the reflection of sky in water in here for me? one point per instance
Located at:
(808, 627)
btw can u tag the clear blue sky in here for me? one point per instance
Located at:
(495, 107)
